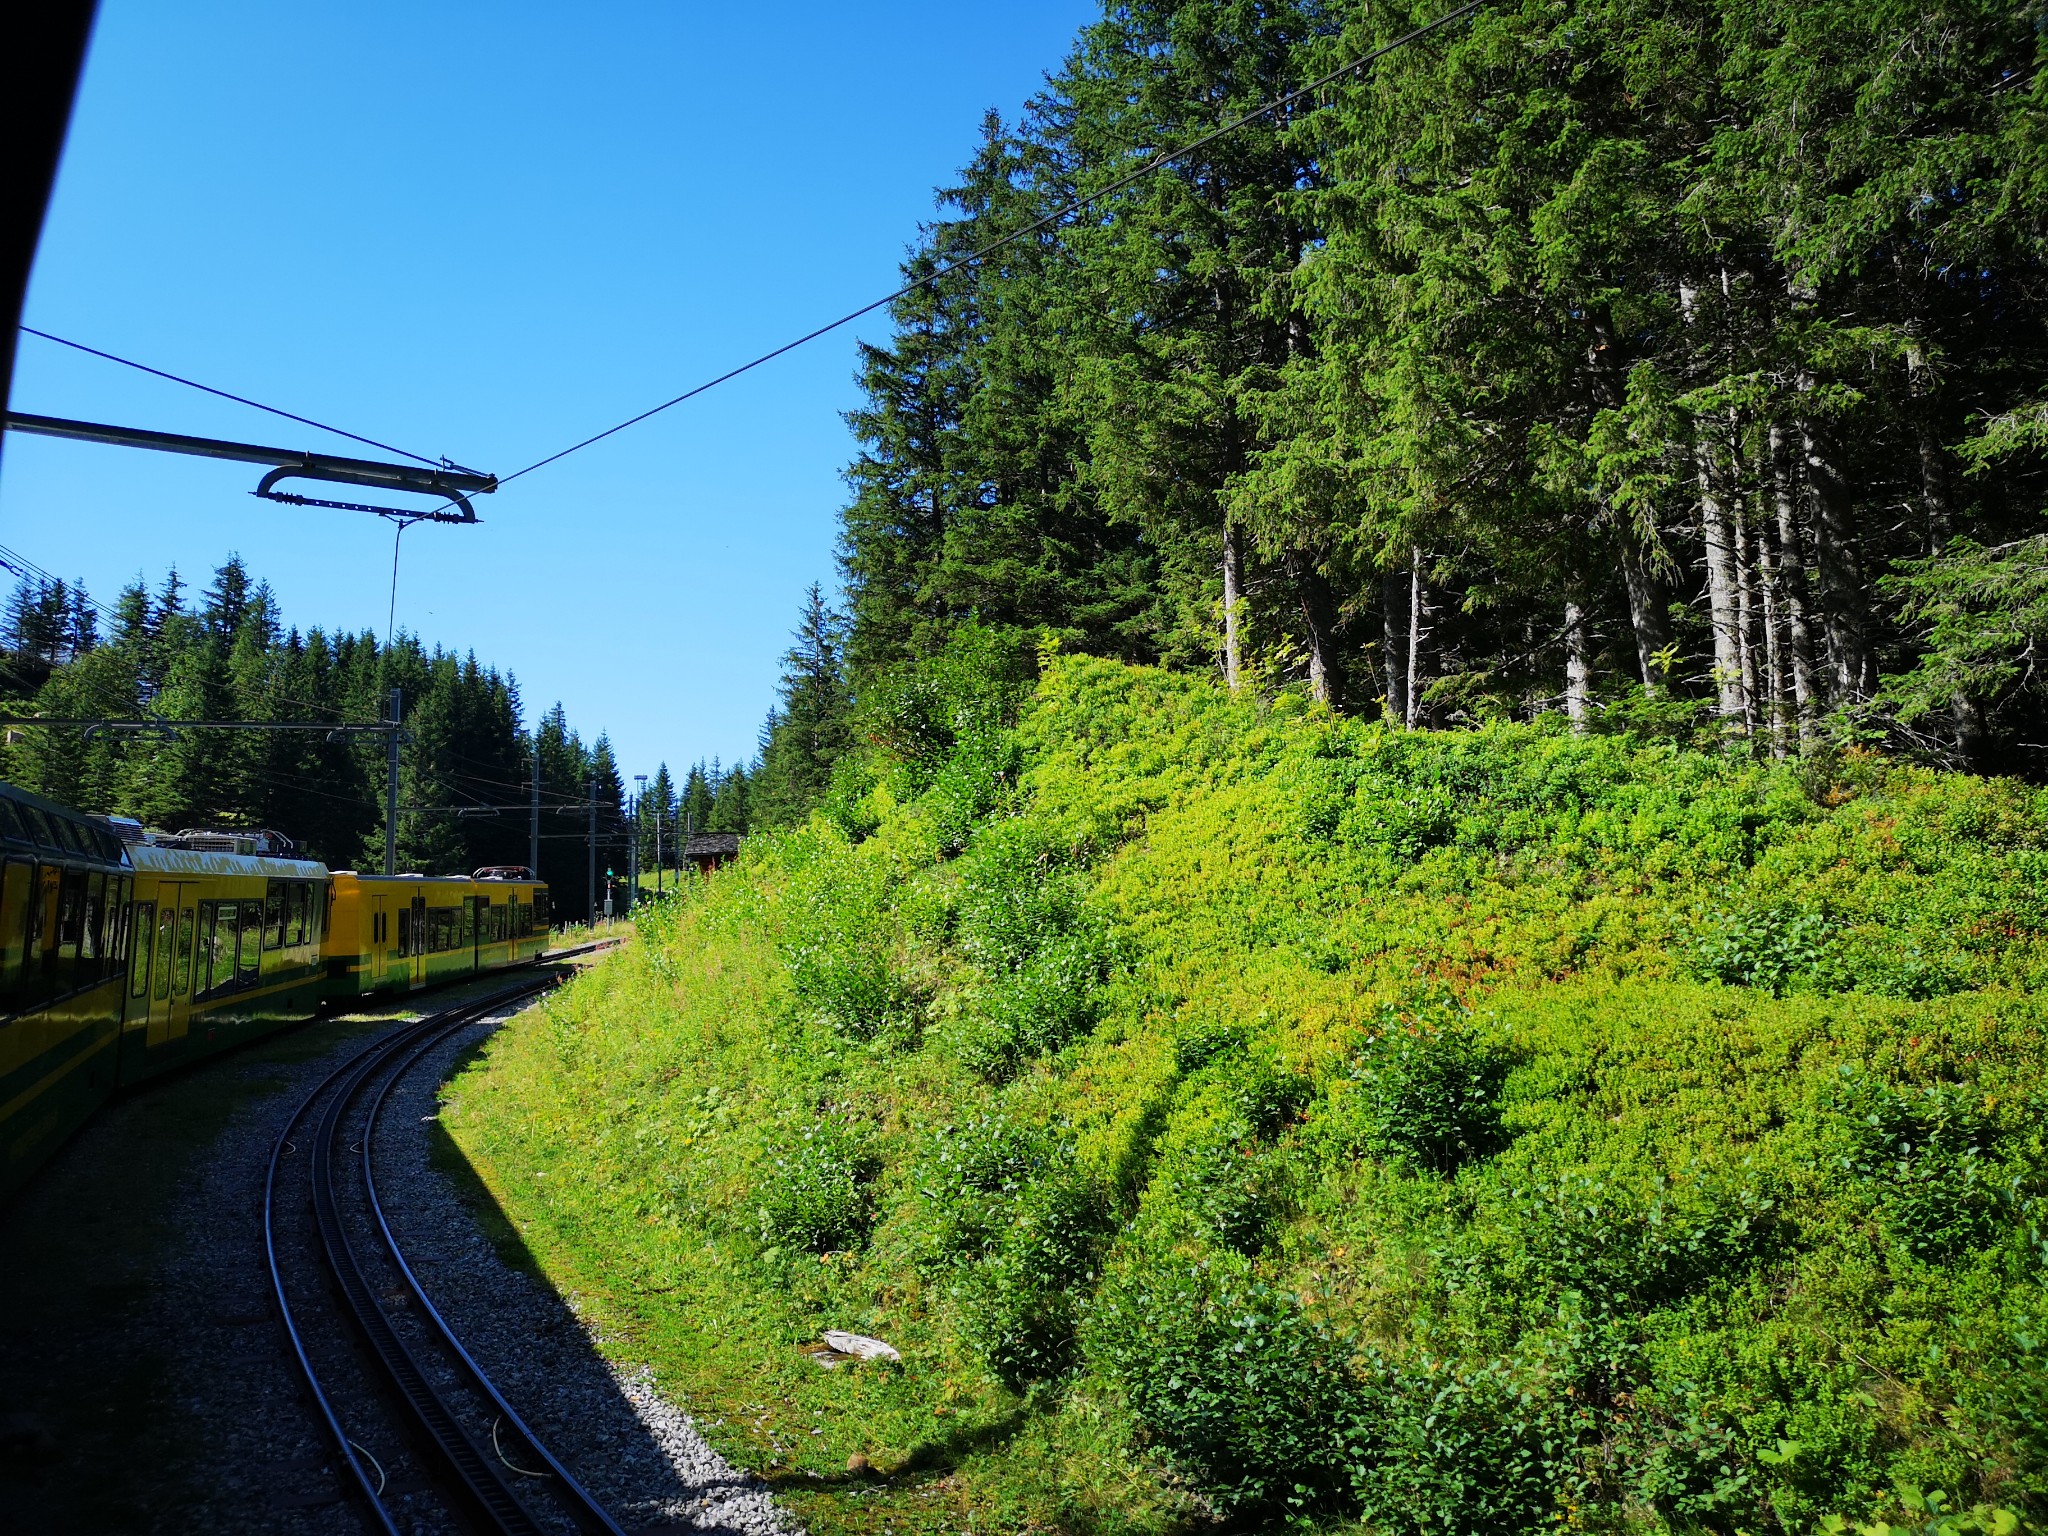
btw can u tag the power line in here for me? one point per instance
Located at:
(1058, 215)
(129, 362)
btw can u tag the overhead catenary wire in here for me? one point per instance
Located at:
(175, 378)
(1057, 216)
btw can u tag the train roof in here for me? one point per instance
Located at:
(417, 880)
(39, 828)
(187, 861)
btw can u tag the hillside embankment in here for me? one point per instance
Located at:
(1235, 1114)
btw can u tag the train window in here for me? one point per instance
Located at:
(166, 938)
(187, 933)
(465, 937)
(203, 972)
(445, 920)
(274, 916)
(42, 931)
(17, 883)
(254, 938)
(540, 911)
(145, 924)
(10, 822)
(66, 971)
(298, 908)
(92, 936)
(216, 946)
(405, 933)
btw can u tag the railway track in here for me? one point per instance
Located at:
(421, 1435)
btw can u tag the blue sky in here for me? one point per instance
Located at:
(487, 231)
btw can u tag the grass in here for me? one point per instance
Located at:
(1238, 1116)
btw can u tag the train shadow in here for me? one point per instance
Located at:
(638, 1456)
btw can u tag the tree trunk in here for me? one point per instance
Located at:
(1792, 569)
(1934, 494)
(1644, 616)
(1721, 583)
(1319, 618)
(1747, 609)
(1416, 632)
(1394, 635)
(1844, 599)
(1233, 587)
(1771, 582)
(1578, 668)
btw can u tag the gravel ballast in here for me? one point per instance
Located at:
(157, 1394)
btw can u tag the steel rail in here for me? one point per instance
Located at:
(585, 1510)
(478, 1478)
(291, 1324)
(495, 1499)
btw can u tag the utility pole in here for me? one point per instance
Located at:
(391, 784)
(533, 837)
(633, 849)
(593, 850)
(660, 815)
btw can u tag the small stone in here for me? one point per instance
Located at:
(857, 1464)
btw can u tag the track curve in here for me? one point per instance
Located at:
(462, 1434)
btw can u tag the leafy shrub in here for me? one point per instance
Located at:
(1933, 1513)
(1017, 894)
(1621, 1253)
(817, 1194)
(838, 946)
(1483, 1448)
(1927, 1152)
(974, 1173)
(1020, 1306)
(1196, 1046)
(1225, 1186)
(1264, 1097)
(1776, 948)
(1231, 1378)
(1425, 1090)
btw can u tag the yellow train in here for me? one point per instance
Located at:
(121, 959)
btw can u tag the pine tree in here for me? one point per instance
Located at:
(811, 730)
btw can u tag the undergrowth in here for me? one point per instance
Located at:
(1237, 1115)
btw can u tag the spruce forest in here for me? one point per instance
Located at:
(1673, 365)
(226, 654)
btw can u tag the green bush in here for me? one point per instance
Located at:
(1426, 1089)
(973, 1174)
(839, 942)
(1927, 1152)
(1020, 1305)
(1775, 948)
(817, 1194)
(1232, 1379)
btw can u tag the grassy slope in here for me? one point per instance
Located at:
(1266, 1114)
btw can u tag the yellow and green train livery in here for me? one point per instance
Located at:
(395, 933)
(121, 959)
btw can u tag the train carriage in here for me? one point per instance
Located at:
(395, 933)
(63, 891)
(121, 959)
(225, 945)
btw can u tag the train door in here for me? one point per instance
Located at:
(377, 940)
(135, 1010)
(170, 981)
(419, 941)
